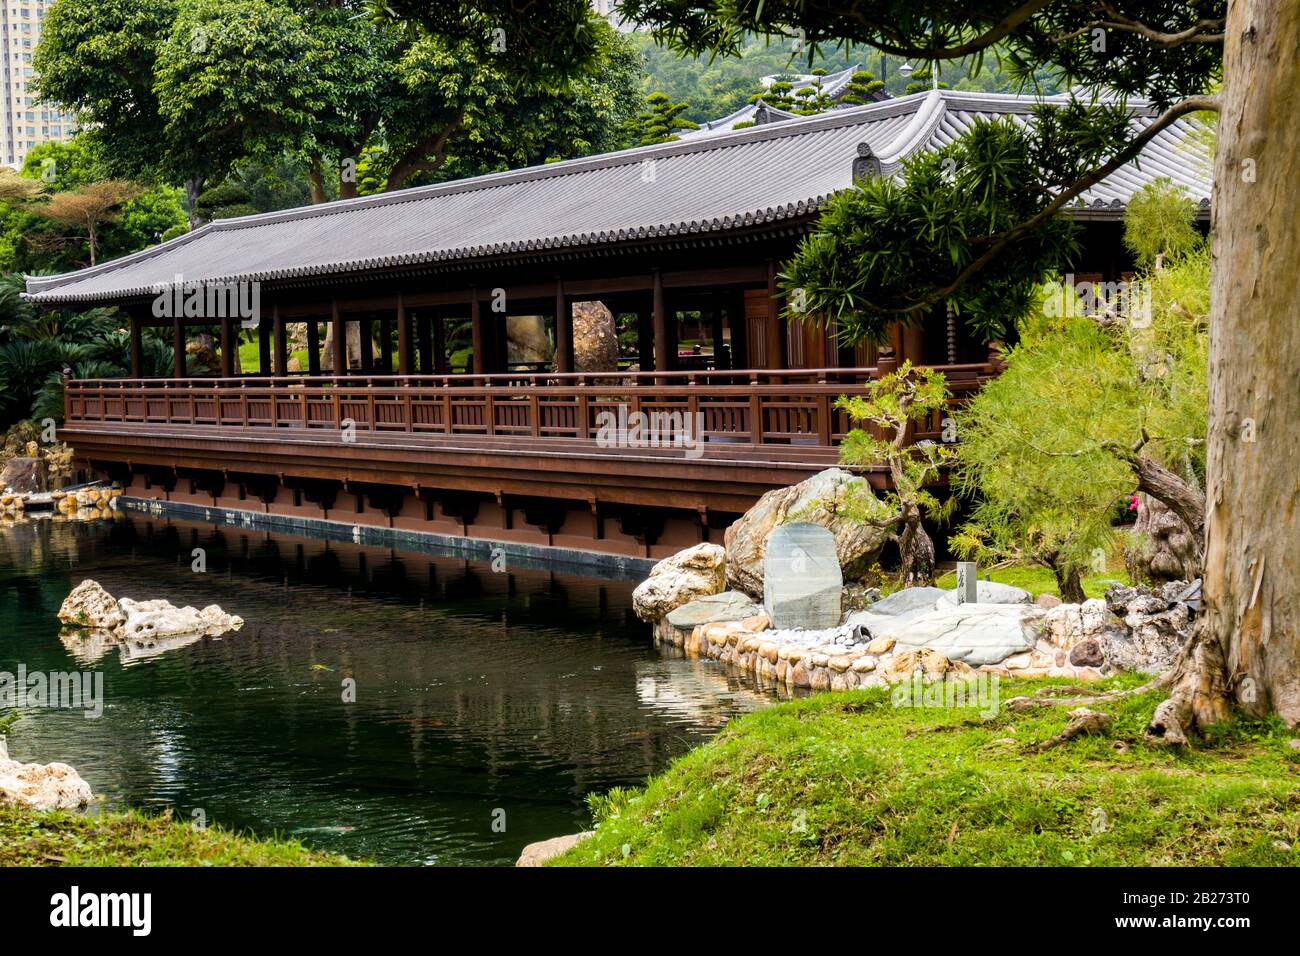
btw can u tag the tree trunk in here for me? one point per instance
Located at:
(916, 551)
(1246, 646)
(193, 189)
(316, 181)
(1068, 583)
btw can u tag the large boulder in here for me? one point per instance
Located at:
(973, 633)
(51, 786)
(822, 500)
(24, 476)
(908, 601)
(802, 584)
(1068, 624)
(991, 592)
(696, 572)
(1172, 551)
(90, 606)
(595, 338)
(151, 620)
(536, 854)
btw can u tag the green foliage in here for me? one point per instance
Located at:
(863, 88)
(1160, 221)
(659, 122)
(1044, 446)
(893, 248)
(225, 201)
(849, 779)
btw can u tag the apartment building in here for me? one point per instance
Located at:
(25, 122)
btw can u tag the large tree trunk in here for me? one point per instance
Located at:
(916, 550)
(1068, 582)
(1246, 649)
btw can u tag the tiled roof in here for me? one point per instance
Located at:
(747, 177)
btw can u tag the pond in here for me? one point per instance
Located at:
(487, 704)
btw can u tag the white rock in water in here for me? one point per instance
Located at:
(89, 605)
(51, 786)
(154, 619)
(696, 572)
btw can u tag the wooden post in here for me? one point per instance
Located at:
(137, 347)
(663, 359)
(264, 326)
(776, 350)
(439, 322)
(313, 347)
(340, 339)
(282, 342)
(563, 330)
(405, 360)
(478, 339)
(367, 336)
(720, 360)
(424, 340)
(178, 348)
(645, 338)
(739, 329)
(227, 348)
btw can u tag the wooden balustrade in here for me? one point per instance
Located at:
(759, 407)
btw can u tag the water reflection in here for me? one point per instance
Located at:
(475, 691)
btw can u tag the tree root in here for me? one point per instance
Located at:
(1082, 721)
(1200, 694)
(1074, 696)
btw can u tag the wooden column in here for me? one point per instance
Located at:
(282, 342)
(264, 326)
(776, 343)
(405, 358)
(340, 329)
(367, 336)
(663, 343)
(178, 348)
(227, 348)
(563, 330)
(478, 339)
(739, 329)
(439, 322)
(313, 347)
(137, 347)
(720, 361)
(913, 344)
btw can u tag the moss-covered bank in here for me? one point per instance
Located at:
(851, 779)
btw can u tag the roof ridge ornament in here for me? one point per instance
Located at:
(866, 165)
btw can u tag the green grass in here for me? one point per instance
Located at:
(1037, 580)
(849, 779)
(29, 838)
(250, 360)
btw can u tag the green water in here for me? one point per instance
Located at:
(485, 702)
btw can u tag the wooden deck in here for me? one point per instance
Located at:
(670, 457)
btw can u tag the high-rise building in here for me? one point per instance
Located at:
(25, 122)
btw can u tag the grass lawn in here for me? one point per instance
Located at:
(28, 838)
(849, 779)
(1037, 580)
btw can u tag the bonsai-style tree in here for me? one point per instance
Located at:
(85, 209)
(894, 403)
(863, 88)
(659, 121)
(1099, 399)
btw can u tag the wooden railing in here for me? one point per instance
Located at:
(760, 406)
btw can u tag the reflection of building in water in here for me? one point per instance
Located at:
(696, 692)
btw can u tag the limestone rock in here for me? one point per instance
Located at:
(908, 601)
(1048, 600)
(818, 500)
(801, 577)
(1068, 624)
(526, 339)
(595, 338)
(51, 786)
(151, 620)
(695, 572)
(971, 633)
(727, 606)
(535, 854)
(1172, 551)
(25, 476)
(991, 592)
(1087, 653)
(90, 606)
(904, 664)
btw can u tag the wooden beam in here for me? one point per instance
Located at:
(478, 339)
(405, 358)
(563, 330)
(340, 329)
(776, 350)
